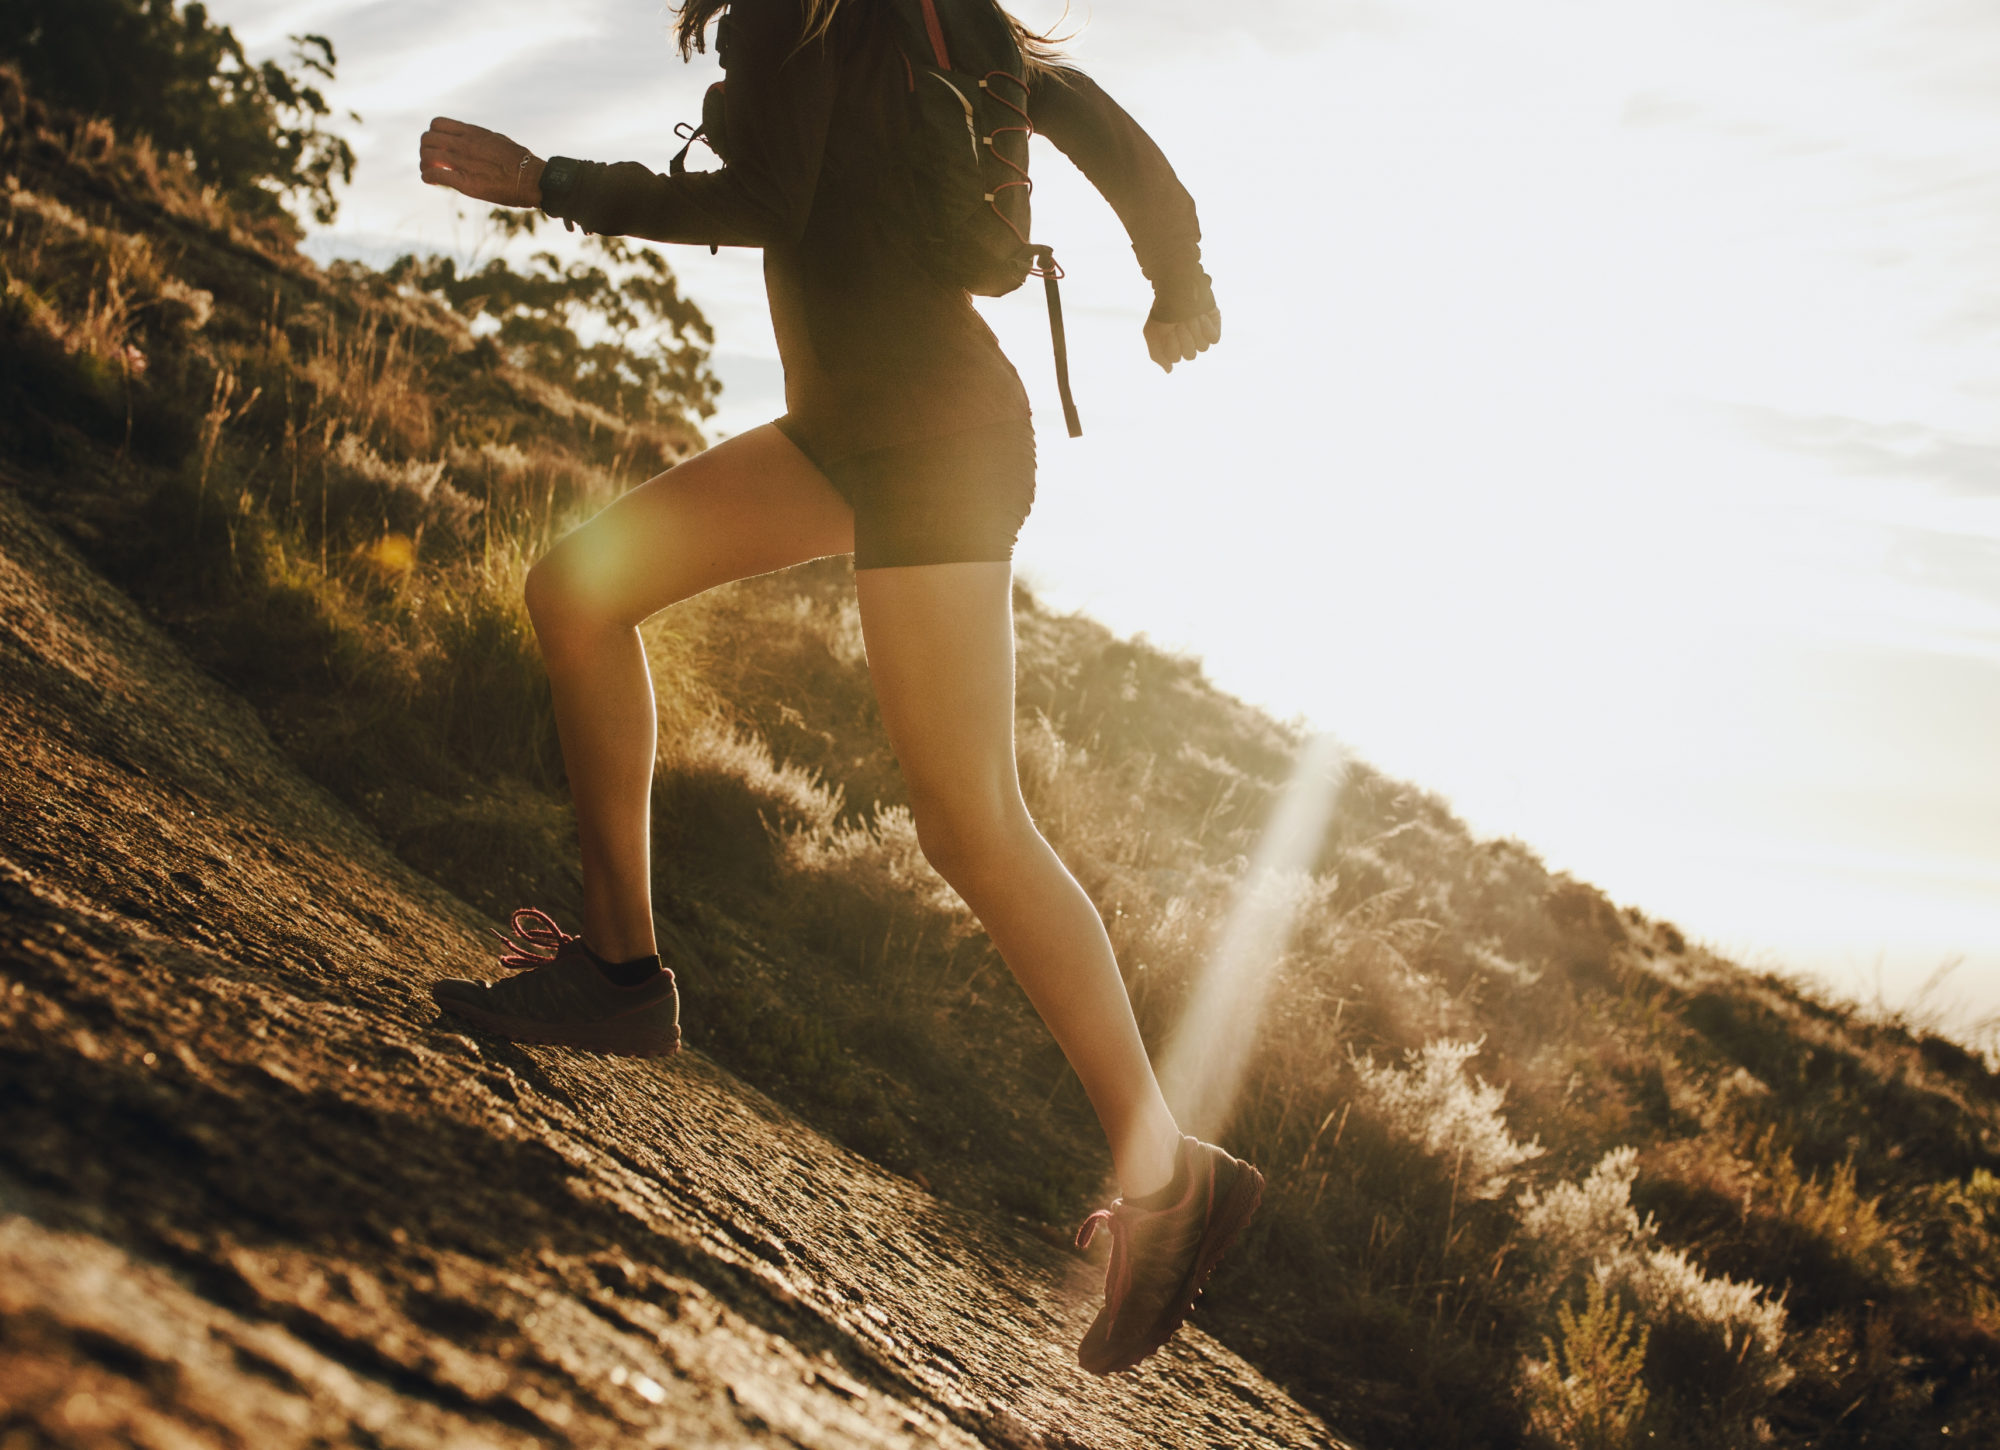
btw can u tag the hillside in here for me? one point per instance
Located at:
(252, 1191)
(1542, 1170)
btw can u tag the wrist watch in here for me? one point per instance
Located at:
(559, 178)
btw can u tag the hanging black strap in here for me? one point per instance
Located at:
(1045, 263)
(679, 165)
(689, 134)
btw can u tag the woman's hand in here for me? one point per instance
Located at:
(1172, 342)
(483, 164)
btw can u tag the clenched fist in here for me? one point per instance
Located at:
(1172, 342)
(482, 164)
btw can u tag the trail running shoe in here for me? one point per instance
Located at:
(562, 997)
(1160, 1257)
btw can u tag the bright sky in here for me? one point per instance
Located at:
(1606, 433)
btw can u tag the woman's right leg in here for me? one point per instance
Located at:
(746, 506)
(941, 653)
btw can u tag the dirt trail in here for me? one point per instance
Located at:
(253, 1193)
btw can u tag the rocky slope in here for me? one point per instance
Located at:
(254, 1193)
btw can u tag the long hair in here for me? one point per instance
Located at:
(1040, 50)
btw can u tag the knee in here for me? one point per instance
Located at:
(968, 839)
(560, 601)
(545, 592)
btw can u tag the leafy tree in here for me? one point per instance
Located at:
(154, 66)
(649, 354)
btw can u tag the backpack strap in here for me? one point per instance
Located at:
(679, 165)
(923, 15)
(934, 28)
(1050, 273)
(689, 135)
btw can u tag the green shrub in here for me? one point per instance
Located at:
(1717, 1344)
(329, 486)
(1590, 1393)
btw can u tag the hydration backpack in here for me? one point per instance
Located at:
(964, 141)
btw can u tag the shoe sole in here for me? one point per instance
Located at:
(619, 1037)
(1239, 1205)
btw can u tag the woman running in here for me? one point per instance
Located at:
(906, 442)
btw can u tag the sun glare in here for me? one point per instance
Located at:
(1591, 374)
(1203, 1067)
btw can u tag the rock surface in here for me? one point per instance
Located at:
(253, 1193)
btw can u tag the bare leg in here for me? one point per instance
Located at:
(746, 506)
(941, 651)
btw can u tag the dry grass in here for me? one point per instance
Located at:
(1676, 1198)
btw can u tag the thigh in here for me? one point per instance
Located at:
(940, 643)
(750, 504)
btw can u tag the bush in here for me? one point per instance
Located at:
(1590, 1394)
(1438, 1107)
(328, 484)
(1717, 1344)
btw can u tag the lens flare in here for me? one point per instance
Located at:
(1203, 1066)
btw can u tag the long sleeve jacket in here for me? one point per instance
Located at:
(876, 352)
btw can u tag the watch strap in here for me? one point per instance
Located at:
(559, 179)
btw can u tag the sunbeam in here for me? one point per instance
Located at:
(1203, 1066)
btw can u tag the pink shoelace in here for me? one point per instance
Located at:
(1118, 1274)
(531, 929)
(1090, 1226)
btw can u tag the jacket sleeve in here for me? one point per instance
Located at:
(777, 101)
(1131, 172)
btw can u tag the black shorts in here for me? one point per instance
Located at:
(958, 498)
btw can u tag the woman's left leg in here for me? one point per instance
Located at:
(940, 641)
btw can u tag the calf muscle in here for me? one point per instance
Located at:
(941, 650)
(747, 506)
